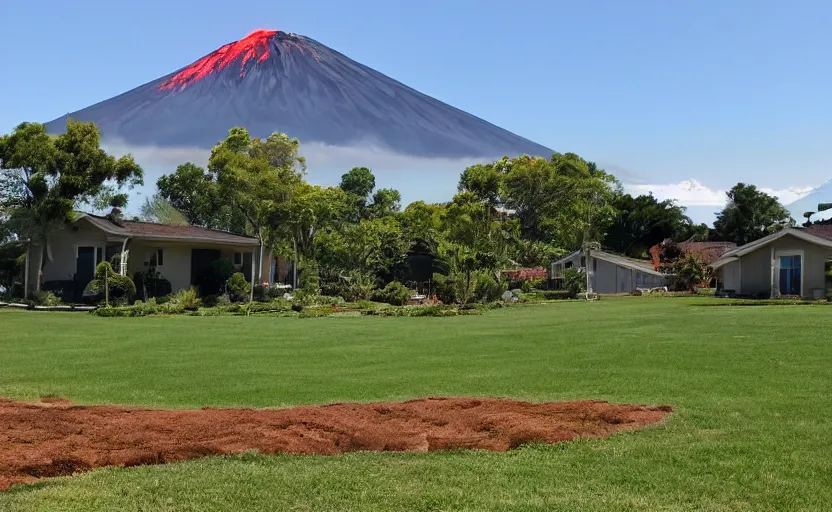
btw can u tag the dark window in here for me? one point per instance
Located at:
(157, 258)
(238, 258)
(790, 275)
(595, 265)
(99, 255)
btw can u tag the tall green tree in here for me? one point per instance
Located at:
(195, 192)
(248, 177)
(358, 183)
(43, 177)
(750, 214)
(563, 200)
(643, 221)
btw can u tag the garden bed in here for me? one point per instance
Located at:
(55, 438)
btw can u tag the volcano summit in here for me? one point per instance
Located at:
(274, 81)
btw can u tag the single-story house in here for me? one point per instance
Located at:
(791, 262)
(179, 253)
(611, 273)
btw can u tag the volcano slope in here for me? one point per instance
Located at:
(275, 81)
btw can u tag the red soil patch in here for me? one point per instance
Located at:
(41, 440)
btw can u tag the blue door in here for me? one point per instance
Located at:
(790, 275)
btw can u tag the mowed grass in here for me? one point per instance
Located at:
(752, 389)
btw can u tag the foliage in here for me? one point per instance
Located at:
(444, 288)
(356, 286)
(118, 284)
(238, 287)
(394, 293)
(574, 282)
(643, 221)
(195, 193)
(488, 288)
(749, 215)
(188, 299)
(688, 272)
(161, 211)
(43, 178)
(44, 298)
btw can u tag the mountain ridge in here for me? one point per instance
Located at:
(278, 81)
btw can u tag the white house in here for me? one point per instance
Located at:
(179, 253)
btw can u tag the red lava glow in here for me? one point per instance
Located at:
(254, 46)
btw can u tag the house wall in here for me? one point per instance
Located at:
(63, 245)
(729, 274)
(756, 267)
(176, 259)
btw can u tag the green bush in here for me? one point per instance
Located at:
(210, 301)
(188, 299)
(444, 288)
(238, 288)
(394, 293)
(557, 295)
(43, 298)
(118, 284)
(488, 288)
(574, 282)
(316, 312)
(309, 279)
(356, 286)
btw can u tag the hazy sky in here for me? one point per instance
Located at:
(658, 92)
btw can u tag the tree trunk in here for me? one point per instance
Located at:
(40, 266)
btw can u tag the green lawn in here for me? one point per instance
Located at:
(752, 388)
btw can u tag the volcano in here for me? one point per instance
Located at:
(275, 81)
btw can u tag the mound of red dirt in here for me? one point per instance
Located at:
(55, 438)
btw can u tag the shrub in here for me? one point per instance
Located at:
(317, 312)
(223, 300)
(309, 279)
(526, 287)
(394, 293)
(574, 282)
(557, 295)
(43, 298)
(488, 288)
(210, 301)
(238, 288)
(356, 286)
(188, 299)
(444, 288)
(118, 284)
(687, 272)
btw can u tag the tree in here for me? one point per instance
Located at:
(749, 215)
(195, 192)
(563, 200)
(358, 183)
(43, 177)
(643, 221)
(159, 210)
(688, 272)
(386, 202)
(249, 178)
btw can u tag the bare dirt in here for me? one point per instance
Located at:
(56, 438)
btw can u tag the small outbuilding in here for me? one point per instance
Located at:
(611, 273)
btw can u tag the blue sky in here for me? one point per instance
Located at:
(682, 98)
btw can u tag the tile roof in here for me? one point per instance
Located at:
(821, 230)
(168, 231)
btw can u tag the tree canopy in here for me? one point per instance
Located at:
(750, 214)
